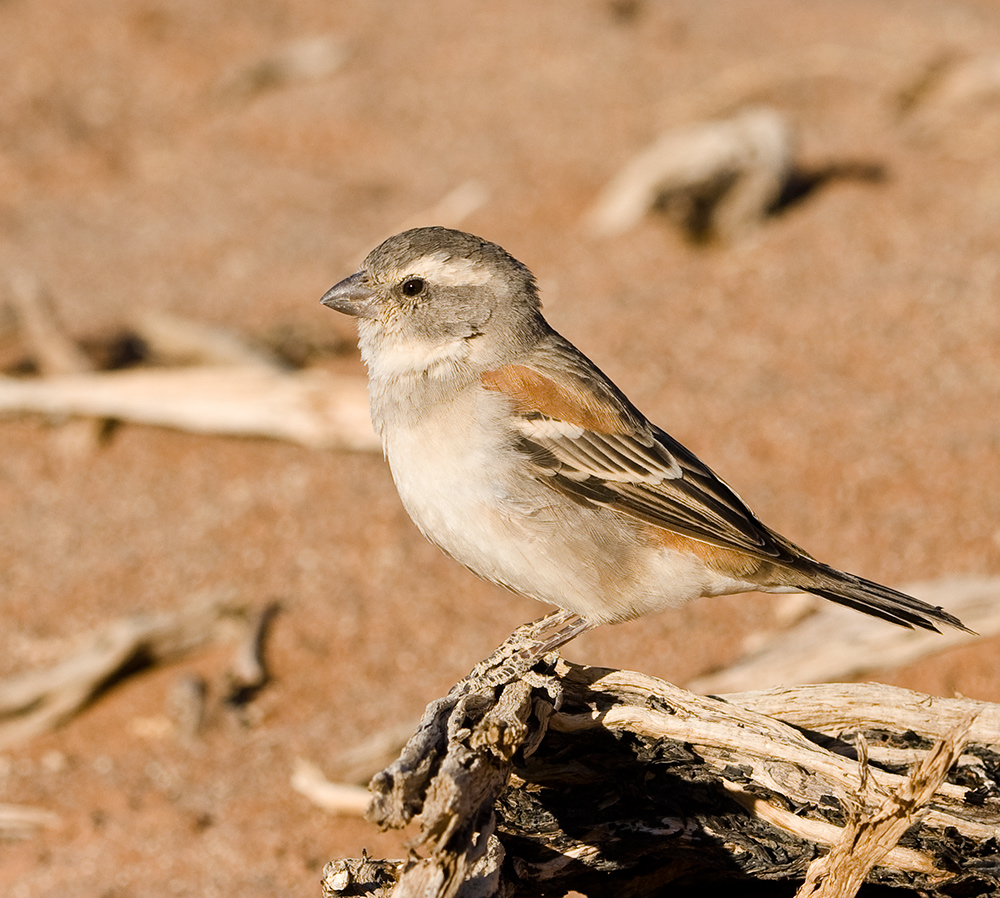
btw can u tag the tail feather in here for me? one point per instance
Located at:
(880, 601)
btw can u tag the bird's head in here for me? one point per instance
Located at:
(430, 297)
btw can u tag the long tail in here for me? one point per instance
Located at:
(879, 601)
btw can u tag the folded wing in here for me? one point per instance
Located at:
(581, 435)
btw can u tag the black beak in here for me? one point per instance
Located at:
(352, 296)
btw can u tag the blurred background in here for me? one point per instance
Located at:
(835, 357)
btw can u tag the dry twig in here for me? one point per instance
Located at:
(231, 386)
(956, 104)
(35, 702)
(173, 341)
(248, 673)
(301, 61)
(20, 822)
(869, 837)
(715, 178)
(313, 407)
(339, 798)
(836, 643)
(54, 352)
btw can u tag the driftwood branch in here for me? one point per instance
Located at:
(19, 821)
(226, 384)
(312, 407)
(338, 798)
(869, 837)
(53, 350)
(38, 701)
(837, 643)
(310, 59)
(715, 178)
(566, 777)
(817, 642)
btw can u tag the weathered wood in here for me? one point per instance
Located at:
(567, 777)
(169, 340)
(360, 876)
(314, 407)
(718, 177)
(301, 61)
(37, 701)
(228, 385)
(53, 351)
(19, 821)
(837, 643)
(338, 798)
(248, 672)
(868, 838)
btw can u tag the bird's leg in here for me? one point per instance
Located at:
(529, 643)
(569, 624)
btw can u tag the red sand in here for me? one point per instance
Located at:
(841, 367)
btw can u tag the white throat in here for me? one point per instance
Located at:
(397, 358)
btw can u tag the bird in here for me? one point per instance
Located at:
(519, 458)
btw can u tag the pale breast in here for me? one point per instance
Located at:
(462, 481)
(453, 467)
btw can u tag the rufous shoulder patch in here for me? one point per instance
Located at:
(535, 393)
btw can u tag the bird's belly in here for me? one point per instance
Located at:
(477, 505)
(468, 501)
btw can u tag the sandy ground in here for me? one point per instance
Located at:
(840, 366)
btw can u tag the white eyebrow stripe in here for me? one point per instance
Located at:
(448, 271)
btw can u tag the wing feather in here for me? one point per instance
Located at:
(580, 434)
(593, 446)
(679, 503)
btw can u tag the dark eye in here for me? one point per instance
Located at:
(413, 286)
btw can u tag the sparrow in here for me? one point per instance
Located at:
(518, 457)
